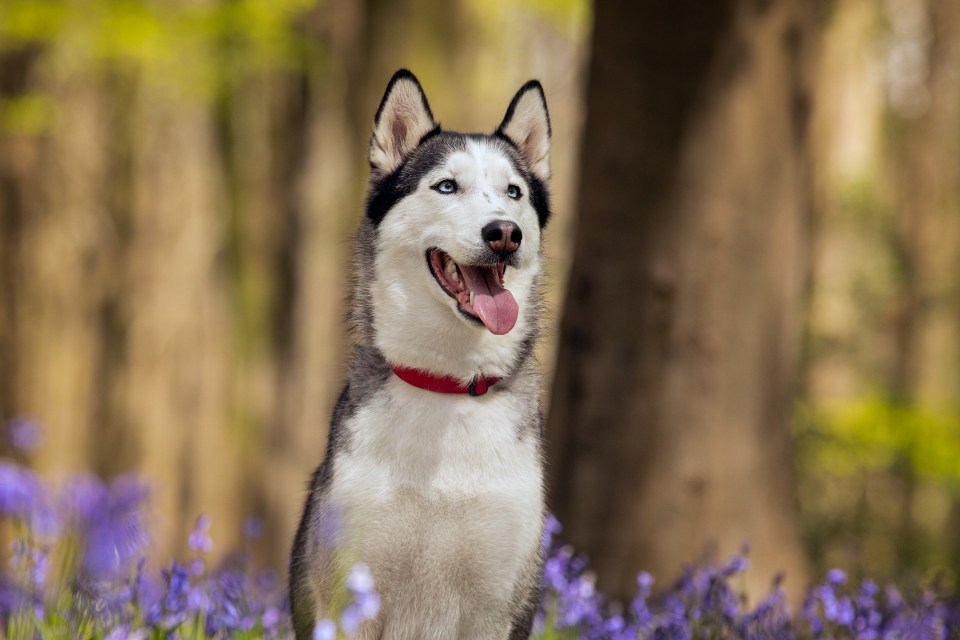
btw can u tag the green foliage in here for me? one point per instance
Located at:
(561, 11)
(876, 482)
(26, 114)
(199, 47)
(874, 433)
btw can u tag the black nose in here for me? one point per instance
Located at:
(503, 236)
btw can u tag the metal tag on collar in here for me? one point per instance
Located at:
(478, 386)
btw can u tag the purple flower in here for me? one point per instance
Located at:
(613, 626)
(119, 633)
(82, 498)
(20, 490)
(836, 577)
(39, 564)
(24, 434)
(124, 632)
(270, 618)
(894, 599)
(212, 624)
(110, 523)
(252, 528)
(557, 567)
(117, 603)
(30, 562)
(266, 580)
(771, 617)
(366, 601)
(325, 630)
(25, 497)
(638, 607)
(231, 608)
(178, 581)
(737, 564)
(360, 580)
(809, 612)
(551, 529)
(199, 540)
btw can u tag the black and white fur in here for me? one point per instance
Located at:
(440, 495)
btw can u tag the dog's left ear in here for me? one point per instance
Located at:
(527, 125)
(402, 121)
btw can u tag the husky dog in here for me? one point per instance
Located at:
(433, 475)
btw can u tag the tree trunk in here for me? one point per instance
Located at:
(17, 162)
(669, 420)
(924, 145)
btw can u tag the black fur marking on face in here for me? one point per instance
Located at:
(386, 192)
(539, 194)
(540, 199)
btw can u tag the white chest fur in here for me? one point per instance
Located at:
(442, 496)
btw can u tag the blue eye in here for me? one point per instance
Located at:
(445, 186)
(514, 191)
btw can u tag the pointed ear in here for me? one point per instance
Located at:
(527, 125)
(402, 120)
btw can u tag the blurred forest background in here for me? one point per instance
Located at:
(757, 207)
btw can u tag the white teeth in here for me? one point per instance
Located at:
(471, 298)
(450, 267)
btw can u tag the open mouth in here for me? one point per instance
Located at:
(478, 290)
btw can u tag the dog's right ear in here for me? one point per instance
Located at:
(402, 121)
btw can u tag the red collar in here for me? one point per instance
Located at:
(444, 384)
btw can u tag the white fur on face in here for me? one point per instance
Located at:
(416, 323)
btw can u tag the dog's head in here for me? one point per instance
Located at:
(454, 224)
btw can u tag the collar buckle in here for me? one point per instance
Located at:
(478, 386)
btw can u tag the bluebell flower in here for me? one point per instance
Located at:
(125, 632)
(23, 434)
(551, 529)
(556, 568)
(736, 564)
(115, 602)
(18, 489)
(110, 521)
(360, 580)
(638, 607)
(212, 624)
(325, 630)
(252, 528)
(266, 580)
(199, 540)
(365, 602)
(770, 619)
(31, 562)
(614, 626)
(270, 618)
(836, 577)
(578, 602)
(173, 609)
(38, 570)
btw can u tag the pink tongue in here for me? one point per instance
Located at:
(494, 305)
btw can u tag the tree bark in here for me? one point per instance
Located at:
(924, 236)
(669, 420)
(17, 161)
